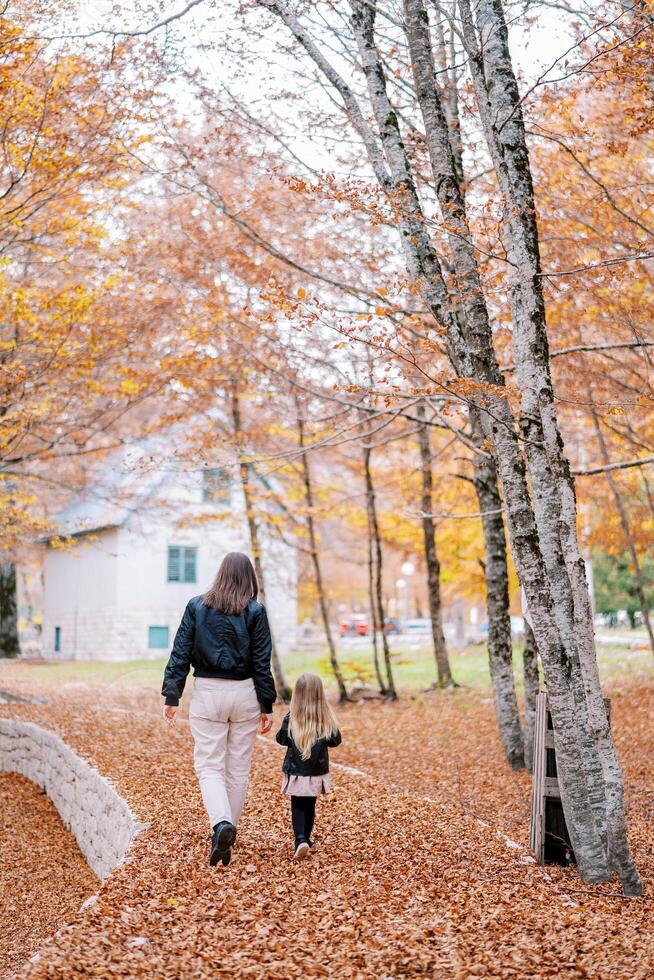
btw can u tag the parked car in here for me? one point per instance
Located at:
(393, 624)
(354, 626)
(417, 627)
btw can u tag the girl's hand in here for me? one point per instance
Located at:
(266, 724)
(170, 713)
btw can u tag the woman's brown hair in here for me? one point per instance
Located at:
(234, 585)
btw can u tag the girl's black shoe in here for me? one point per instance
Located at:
(224, 835)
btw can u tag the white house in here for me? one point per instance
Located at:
(144, 541)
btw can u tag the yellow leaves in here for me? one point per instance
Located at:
(128, 386)
(301, 293)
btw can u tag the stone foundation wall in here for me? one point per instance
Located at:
(100, 820)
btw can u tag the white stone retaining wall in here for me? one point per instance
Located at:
(99, 819)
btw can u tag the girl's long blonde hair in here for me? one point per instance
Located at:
(311, 717)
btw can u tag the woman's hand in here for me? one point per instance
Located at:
(266, 724)
(170, 713)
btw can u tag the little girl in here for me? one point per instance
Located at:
(308, 729)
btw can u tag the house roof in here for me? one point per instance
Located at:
(118, 489)
(121, 485)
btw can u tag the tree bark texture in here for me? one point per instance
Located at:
(443, 670)
(496, 572)
(315, 558)
(532, 686)
(9, 645)
(283, 689)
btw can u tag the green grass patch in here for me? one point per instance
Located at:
(414, 668)
(140, 673)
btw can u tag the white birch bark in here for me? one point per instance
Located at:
(496, 573)
(531, 687)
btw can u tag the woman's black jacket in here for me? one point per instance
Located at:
(318, 762)
(218, 645)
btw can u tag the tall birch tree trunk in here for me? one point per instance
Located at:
(9, 645)
(283, 689)
(443, 129)
(315, 558)
(531, 687)
(443, 670)
(496, 573)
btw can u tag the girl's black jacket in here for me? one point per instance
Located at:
(318, 762)
(218, 645)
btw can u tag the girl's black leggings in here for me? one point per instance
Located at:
(303, 813)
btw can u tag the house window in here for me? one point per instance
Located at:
(181, 564)
(57, 642)
(215, 486)
(158, 637)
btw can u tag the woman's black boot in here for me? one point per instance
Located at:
(224, 835)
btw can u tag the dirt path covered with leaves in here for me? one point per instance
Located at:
(43, 874)
(400, 886)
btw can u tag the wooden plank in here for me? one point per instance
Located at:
(546, 787)
(537, 826)
(551, 788)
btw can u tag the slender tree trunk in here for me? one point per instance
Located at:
(443, 671)
(315, 558)
(371, 573)
(443, 140)
(648, 492)
(500, 645)
(532, 686)
(283, 689)
(9, 646)
(626, 529)
(379, 596)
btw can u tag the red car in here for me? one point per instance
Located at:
(354, 626)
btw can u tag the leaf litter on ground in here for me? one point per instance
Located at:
(410, 877)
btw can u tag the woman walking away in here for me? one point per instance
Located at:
(224, 635)
(309, 730)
